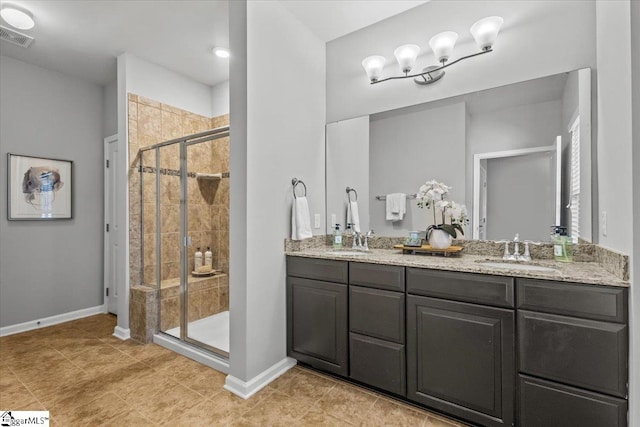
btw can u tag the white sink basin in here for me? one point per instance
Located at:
(346, 253)
(510, 266)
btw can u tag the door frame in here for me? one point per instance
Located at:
(475, 219)
(109, 282)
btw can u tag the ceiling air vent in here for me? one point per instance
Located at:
(15, 37)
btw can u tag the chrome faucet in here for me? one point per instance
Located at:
(516, 247)
(357, 240)
(515, 256)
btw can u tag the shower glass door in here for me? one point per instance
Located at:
(206, 315)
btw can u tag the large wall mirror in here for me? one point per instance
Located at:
(518, 156)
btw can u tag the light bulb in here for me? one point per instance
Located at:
(221, 52)
(406, 56)
(442, 45)
(485, 31)
(373, 65)
(17, 17)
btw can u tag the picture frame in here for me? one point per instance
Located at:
(39, 188)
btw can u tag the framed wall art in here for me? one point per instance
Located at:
(39, 188)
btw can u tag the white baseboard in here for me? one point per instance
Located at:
(122, 333)
(246, 389)
(52, 320)
(193, 353)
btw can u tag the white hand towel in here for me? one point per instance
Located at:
(353, 216)
(396, 206)
(300, 219)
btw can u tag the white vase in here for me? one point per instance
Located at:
(439, 239)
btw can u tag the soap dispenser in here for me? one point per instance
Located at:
(198, 259)
(562, 245)
(337, 237)
(208, 259)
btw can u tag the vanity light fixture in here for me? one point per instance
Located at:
(16, 16)
(484, 32)
(221, 52)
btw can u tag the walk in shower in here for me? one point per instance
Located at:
(184, 194)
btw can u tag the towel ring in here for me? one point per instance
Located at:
(349, 190)
(295, 182)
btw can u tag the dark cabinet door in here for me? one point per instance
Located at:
(377, 313)
(586, 353)
(460, 359)
(544, 403)
(317, 324)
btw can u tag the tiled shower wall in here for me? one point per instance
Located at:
(151, 122)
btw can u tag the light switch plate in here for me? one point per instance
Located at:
(333, 220)
(603, 222)
(316, 220)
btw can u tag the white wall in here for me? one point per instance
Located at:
(51, 267)
(634, 359)
(535, 41)
(347, 165)
(166, 86)
(614, 123)
(110, 121)
(408, 149)
(283, 114)
(220, 99)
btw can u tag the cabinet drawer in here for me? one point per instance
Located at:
(573, 299)
(544, 404)
(378, 363)
(586, 353)
(469, 287)
(319, 269)
(377, 313)
(379, 276)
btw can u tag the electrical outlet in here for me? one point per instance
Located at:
(603, 222)
(316, 220)
(333, 220)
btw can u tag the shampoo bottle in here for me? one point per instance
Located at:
(208, 259)
(337, 237)
(198, 259)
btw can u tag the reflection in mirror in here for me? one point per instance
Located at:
(511, 132)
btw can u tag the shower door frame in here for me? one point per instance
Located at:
(184, 142)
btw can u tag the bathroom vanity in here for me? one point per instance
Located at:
(486, 345)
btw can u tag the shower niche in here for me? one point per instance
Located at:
(183, 189)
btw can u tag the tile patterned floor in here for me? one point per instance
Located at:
(86, 377)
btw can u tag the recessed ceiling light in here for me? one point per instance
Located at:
(17, 17)
(221, 52)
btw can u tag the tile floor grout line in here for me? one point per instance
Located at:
(26, 387)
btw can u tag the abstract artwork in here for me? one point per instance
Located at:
(38, 188)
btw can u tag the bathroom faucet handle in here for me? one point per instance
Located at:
(527, 255)
(506, 255)
(516, 238)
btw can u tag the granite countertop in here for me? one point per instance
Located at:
(581, 272)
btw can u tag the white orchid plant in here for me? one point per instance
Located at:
(433, 195)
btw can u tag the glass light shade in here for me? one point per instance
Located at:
(18, 18)
(442, 45)
(406, 56)
(485, 31)
(373, 65)
(221, 52)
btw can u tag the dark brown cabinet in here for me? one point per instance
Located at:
(377, 326)
(460, 359)
(490, 350)
(573, 354)
(317, 315)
